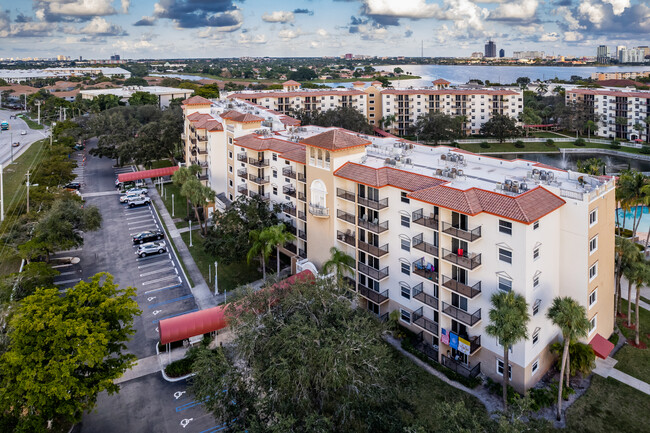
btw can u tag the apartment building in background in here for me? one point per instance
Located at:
(434, 231)
(622, 113)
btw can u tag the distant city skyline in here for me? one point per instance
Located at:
(227, 28)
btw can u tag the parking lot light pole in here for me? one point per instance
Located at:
(2, 197)
(190, 233)
(216, 283)
(172, 204)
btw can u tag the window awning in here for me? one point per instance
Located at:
(602, 347)
(146, 174)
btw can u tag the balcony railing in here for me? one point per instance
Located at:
(302, 216)
(203, 176)
(425, 270)
(461, 315)
(348, 217)
(302, 177)
(258, 162)
(461, 288)
(289, 190)
(346, 237)
(474, 343)
(242, 189)
(371, 249)
(290, 210)
(288, 172)
(347, 195)
(301, 196)
(376, 297)
(291, 247)
(374, 226)
(374, 204)
(302, 235)
(376, 274)
(462, 369)
(419, 294)
(265, 197)
(291, 229)
(242, 173)
(242, 157)
(319, 211)
(258, 180)
(302, 253)
(466, 260)
(427, 324)
(426, 221)
(426, 348)
(466, 235)
(428, 248)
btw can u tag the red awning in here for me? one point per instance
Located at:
(146, 174)
(602, 347)
(205, 321)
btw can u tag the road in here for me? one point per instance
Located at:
(13, 135)
(145, 404)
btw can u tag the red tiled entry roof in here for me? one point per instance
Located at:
(335, 139)
(197, 100)
(146, 174)
(602, 347)
(241, 117)
(384, 176)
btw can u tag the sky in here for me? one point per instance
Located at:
(234, 28)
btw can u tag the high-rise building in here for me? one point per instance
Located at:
(530, 55)
(490, 49)
(631, 55)
(618, 50)
(602, 54)
(115, 57)
(645, 49)
(502, 52)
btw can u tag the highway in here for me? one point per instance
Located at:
(13, 135)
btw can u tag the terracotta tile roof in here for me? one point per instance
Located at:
(526, 208)
(259, 143)
(385, 176)
(286, 120)
(448, 92)
(291, 83)
(296, 93)
(637, 94)
(440, 81)
(197, 100)
(335, 139)
(195, 116)
(19, 89)
(296, 155)
(236, 116)
(213, 125)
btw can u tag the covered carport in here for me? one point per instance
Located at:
(146, 174)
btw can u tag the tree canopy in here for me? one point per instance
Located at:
(143, 98)
(500, 126)
(343, 117)
(303, 73)
(435, 126)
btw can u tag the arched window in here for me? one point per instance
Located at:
(318, 193)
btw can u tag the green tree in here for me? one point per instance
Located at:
(210, 91)
(571, 318)
(64, 350)
(591, 127)
(398, 71)
(194, 191)
(340, 263)
(523, 82)
(591, 166)
(508, 323)
(136, 81)
(303, 74)
(143, 98)
(277, 236)
(530, 117)
(343, 117)
(630, 193)
(626, 254)
(19, 285)
(500, 126)
(261, 248)
(641, 279)
(435, 126)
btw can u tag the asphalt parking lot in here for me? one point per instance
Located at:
(146, 404)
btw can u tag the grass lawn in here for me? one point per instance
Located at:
(633, 361)
(609, 406)
(546, 135)
(31, 123)
(230, 276)
(538, 147)
(180, 204)
(161, 163)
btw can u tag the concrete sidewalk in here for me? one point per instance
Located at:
(605, 368)
(645, 292)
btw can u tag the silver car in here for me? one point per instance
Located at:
(151, 248)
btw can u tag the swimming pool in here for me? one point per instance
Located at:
(644, 225)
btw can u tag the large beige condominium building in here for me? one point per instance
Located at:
(601, 76)
(622, 113)
(435, 231)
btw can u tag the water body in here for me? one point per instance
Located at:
(569, 161)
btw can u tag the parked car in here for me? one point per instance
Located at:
(23, 132)
(151, 248)
(16, 144)
(137, 191)
(73, 186)
(148, 236)
(139, 201)
(126, 197)
(79, 147)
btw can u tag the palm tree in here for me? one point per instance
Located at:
(571, 318)
(261, 248)
(386, 121)
(508, 323)
(591, 126)
(591, 166)
(629, 192)
(277, 236)
(626, 254)
(339, 262)
(542, 88)
(642, 278)
(198, 194)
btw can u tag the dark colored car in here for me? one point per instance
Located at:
(148, 236)
(73, 185)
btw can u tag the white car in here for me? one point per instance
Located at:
(126, 197)
(137, 191)
(139, 201)
(151, 248)
(23, 132)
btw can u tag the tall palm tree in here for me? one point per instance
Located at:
(642, 279)
(591, 126)
(571, 318)
(340, 263)
(261, 248)
(277, 236)
(508, 323)
(626, 253)
(591, 166)
(629, 193)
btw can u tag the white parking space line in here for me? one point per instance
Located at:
(68, 273)
(74, 280)
(139, 217)
(169, 256)
(148, 226)
(157, 271)
(162, 262)
(61, 266)
(146, 283)
(140, 220)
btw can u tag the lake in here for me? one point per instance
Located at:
(569, 161)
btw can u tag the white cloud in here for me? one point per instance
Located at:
(28, 29)
(565, 12)
(573, 36)
(128, 45)
(245, 38)
(593, 12)
(549, 37)
(288, 34)
(125, 6)
(618, 6)
(322, 33)
(518, 10)
(531, 29)
(80, 8)
(278, 17)
(98, 26)
(402, 8)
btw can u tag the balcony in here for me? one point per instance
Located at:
(374, 204)
(418, 319)
(289, 210)
(291, 229)
(426, 221)
(288, 172)
(461, 315)
(419, 295)
(428, 248)
(302, 177)
(291, 247)
(258, 180)
(372, 249)
(289, 190)
(242, 173)
(461, 288)
(264, 197)
(466, 235)
(347, 238)
(301, 196)
(376, 297)
(256, 162)
(302, 235)
(242, 157)
(474, 343)
(302, 253)
(374, 226)
(346, 195)
(302, 216)
(375, 274)
(203, 176)
(319, 211)
(466, 260)
(460, 368)
(348, 217)
(422, 346)
(242, 189)
(425, 270)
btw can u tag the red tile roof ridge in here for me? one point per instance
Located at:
(196, 100)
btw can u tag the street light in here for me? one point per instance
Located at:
(190, 233)
(172, 204)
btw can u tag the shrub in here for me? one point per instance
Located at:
(582, 357)
(454, 144)
(519, 144)
(550, 142)
(614, 145)
(645, 149)
(179, 368)
(542, 397)
(580, 142)
(614, 338)
(484, 145)
(497, 388)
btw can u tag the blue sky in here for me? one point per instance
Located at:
(227, 28)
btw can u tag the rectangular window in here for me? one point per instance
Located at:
(406, 244)
(505, 227)
(536, 337)
(406, 292)
(536, 307)
(230, 168)
(230, 182)
(592, 324)
(536, 254)
(505, 284)
(593, 244)
(275, 157)
(535, 281)
(505, 255)
(406, 221)
(230, 154)
(406, 268)
(535, 367)
(230, 196)
(593, 271)
(593, 297)
(404, 198)
(593, 217)
(405, 316)
(500, 368)
(275, 173)
(535, 225)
